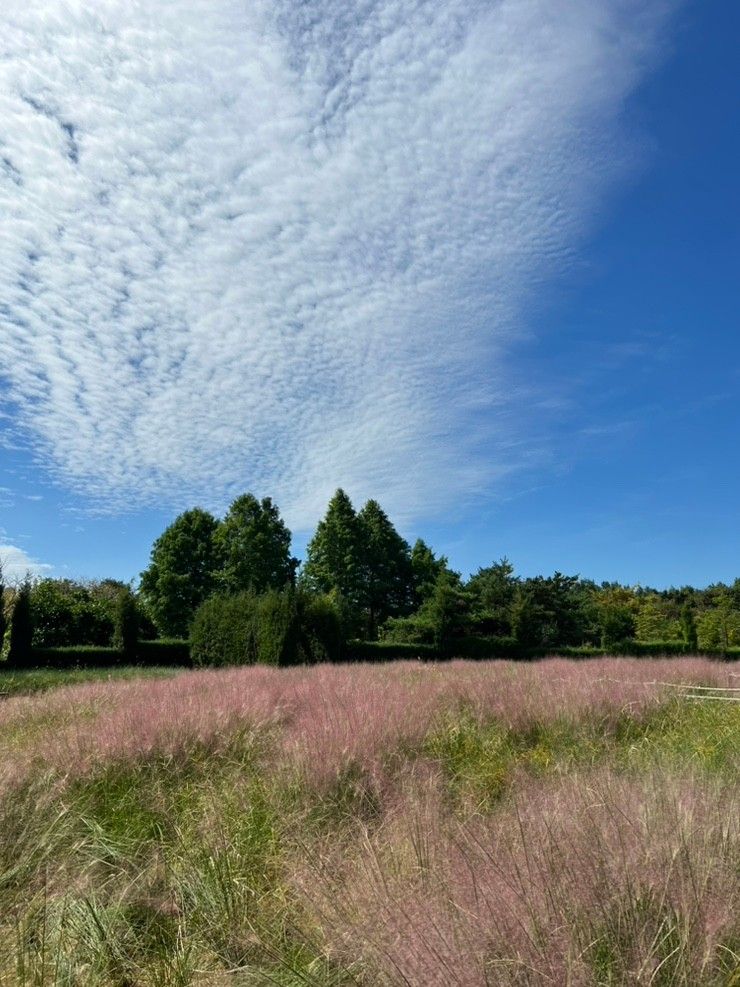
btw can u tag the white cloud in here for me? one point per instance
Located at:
(17, 564)
(283, 246)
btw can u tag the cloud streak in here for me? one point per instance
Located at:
(283, 246)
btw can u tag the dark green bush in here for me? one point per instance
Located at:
(75, 656)
(21, 628)
(284, 627)
(321, 628)
(486, 647)
(125, 625)
(172, 652)
(388, 651)
(164, 651)
(223, 631)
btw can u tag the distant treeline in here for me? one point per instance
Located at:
(235, 581)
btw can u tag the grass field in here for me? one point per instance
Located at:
(490, 823)
(18, 682)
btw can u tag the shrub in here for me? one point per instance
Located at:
(388, 651)
(164, 651)
(276, 628)
(126, 625)
(75, 656)
(3, 620)
(223, 631)
(321, 628)
(21, 628)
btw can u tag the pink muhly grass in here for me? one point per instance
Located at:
(526, 895)
(323, 718)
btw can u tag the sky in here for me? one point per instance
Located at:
(477, 259)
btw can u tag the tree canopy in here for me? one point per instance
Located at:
(253, 547)
(182, 572)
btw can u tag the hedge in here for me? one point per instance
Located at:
(275, 628)
(164, 651)
(387, 651)
(159, 652)
(486, 648)
(176, 653)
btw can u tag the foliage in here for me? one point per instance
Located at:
(334, 556)
(689, 629)
(160, 653)
(493, 591)
(253, 543)
(718, 629)
(275, 628)
(126, 625)
(163, 652)
(21, 627)
(553, 611)
(441, 620)
(65, 612)
(181, 572)
(223, 631)
(616, 617)
(3, 618)
(387, 575)
(655, 619)
(425, 569)
(388, 650)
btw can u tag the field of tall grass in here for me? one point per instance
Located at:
(488, 823)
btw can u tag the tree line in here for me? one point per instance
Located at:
(378, 586)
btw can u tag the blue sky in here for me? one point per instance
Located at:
(476, 260)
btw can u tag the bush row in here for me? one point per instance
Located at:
(150, 653)
(312, 638)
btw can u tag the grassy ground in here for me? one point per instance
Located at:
(467, 824)
(40, 679)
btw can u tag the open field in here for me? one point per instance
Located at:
(456, 824)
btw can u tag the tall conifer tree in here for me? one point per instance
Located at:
(387, 576)
(334, 555)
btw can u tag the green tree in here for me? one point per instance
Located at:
(126, 625)
(528, 618)
(553, 611)
(386, 574)
(3, 618)
(719, 628)
(654, 620)
(689, 629)
(493, 590)
(334, 558)
(279, 627)
(425, 568)
(182, 571)
(616, 607)
(21, 627)
(448, 611)
(443, 618)
(254, 546)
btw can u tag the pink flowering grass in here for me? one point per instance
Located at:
(326, 717)
(593, 879)
(493, 823)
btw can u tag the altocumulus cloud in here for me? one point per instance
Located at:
(282, 245)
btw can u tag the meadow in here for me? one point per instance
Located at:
(463, 823)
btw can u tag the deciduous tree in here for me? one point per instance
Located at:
(182, 571)
(253, 544)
